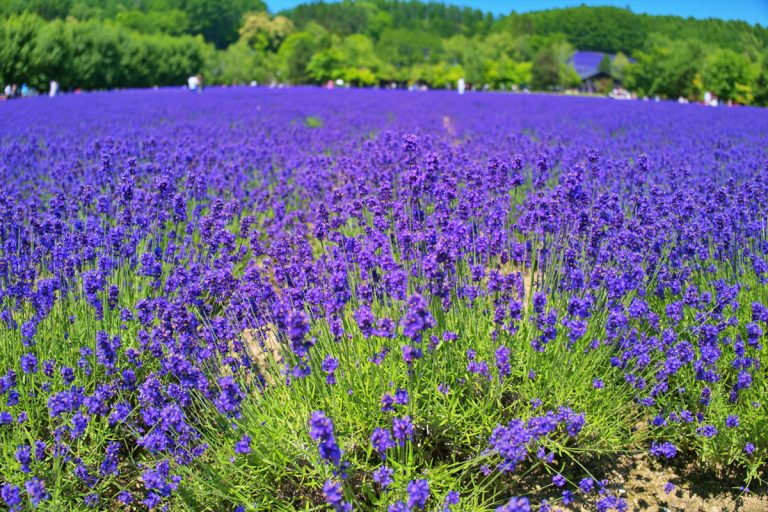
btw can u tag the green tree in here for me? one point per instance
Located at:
(378, 21)
(619, 66)
(605, 65)
(761, 81)
(441, 75)
(18, 35)
(262, 32)
(343, 18)
(96, 55)
(606, 29)
(569, 78)
(47, 9)
(668, 68)
(218, 20)
(82, 11)
(546, 70)
(475, 56)
(352, 59)
(173, 21)
(159, 59)
(327, 64)
(361, 60)
(240, 64)
(295, 55)
(403, 48)
(730, 75)
(53, 55)
(506, 72)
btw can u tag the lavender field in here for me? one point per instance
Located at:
(303, 299)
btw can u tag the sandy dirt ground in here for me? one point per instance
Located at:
(641, 483)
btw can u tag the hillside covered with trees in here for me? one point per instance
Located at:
(93, 44)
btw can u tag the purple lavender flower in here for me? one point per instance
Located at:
(11, 496)
(381, 440)
(321, 431)
(708, 431)
(365, 320)
(417, 318)
(202, 234)
(230, 396)
(24, 457)
(452, 498)
(586, 485)
(383, 476)
(243, 446)
(29, 363)
(36, 491)
(330, 364)
(402, 429)
(125, 497)
(333, 494)
(418, 493)
(664, 449)
(516, 505)
(387, 402)
(502, 362)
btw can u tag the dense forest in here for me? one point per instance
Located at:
(94, 44)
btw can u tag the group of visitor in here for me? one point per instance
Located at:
(13, 91)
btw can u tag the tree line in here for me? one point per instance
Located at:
(94, 44)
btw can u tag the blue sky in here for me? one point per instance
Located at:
(753, 11)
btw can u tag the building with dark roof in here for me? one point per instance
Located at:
(587, 65)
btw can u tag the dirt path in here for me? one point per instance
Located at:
(643, 483)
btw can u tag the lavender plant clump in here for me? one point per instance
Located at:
(425, 302)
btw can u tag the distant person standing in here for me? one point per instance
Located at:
(193, 83)
(461, 85)
(7, 91)
(54, 90)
